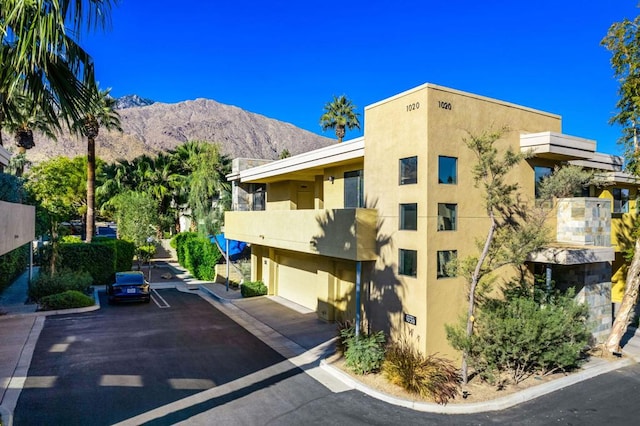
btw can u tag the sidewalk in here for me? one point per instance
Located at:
(304, 331)
(290, 329)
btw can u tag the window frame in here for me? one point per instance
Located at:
(402, 222)
(454, 221)
(538, 177)
(454, 181)
(453, 254)
(404, 165)
(620, 203)
(358, 177)
(402, 263)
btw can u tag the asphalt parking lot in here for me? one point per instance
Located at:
(110, 365)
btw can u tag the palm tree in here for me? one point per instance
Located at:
(100, 113)
(22, 118)
(40, 60)
(340, 115)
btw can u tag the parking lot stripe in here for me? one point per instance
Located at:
(162, 303)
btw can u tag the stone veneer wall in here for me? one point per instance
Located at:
(240, 197)
(584, 221)
(592, 282)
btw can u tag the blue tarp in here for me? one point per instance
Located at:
(235, 247)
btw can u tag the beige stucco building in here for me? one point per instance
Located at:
(17, 221)
(368, 226)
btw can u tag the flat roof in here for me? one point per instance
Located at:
(308, 161)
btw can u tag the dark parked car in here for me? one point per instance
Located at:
(129, 286)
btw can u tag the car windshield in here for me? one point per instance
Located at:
(129, 279)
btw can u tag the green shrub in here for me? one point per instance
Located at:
(178, 242)
(197, 254)
(146, 253)
(428, 376)
(123, 252)
(47, 285)
(97, 259)
(253, 288)
(364, 354)
(65, 300)
(12, 264)
(210, 255)
(343, 327)
(518, 337)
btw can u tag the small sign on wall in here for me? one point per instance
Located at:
(410, 319)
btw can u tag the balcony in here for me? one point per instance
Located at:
(341, 233)
(583, 233)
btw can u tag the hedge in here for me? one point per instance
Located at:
(123, 252)
(46, 285)
(102, 258)
(12, 264)
(253, 288)
(197, 254)
(66, 300)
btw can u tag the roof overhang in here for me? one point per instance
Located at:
(306, 164)
(620, 178)
(556, 146)
(600, 161)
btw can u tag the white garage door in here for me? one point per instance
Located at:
(297, 281)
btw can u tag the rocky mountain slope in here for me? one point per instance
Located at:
(157, 127)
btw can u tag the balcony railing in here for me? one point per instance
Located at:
(341, 233)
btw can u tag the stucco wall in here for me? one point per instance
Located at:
(429, 122)
(17, 225)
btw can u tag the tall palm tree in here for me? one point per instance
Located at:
(340, 115)
(100, 113)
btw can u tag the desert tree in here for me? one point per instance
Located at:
(512, 232)
(623, 41)
(340, 115)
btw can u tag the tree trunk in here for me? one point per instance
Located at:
(340, 132)
(91, 186)
(629, 300)
(475, 279)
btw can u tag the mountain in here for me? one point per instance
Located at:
(159, 127)
(130, 101)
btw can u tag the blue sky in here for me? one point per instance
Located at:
(286, 59)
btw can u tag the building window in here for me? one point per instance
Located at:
(447, 217)
(408, 262)
(258, 197)
(409, 216)
(541, 173)
(446, 259)
(620, 200)
(447, 170)
(408, 170)
(354, 189)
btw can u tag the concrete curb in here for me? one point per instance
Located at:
(91, 308)
(214, 295)
(485, 406)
